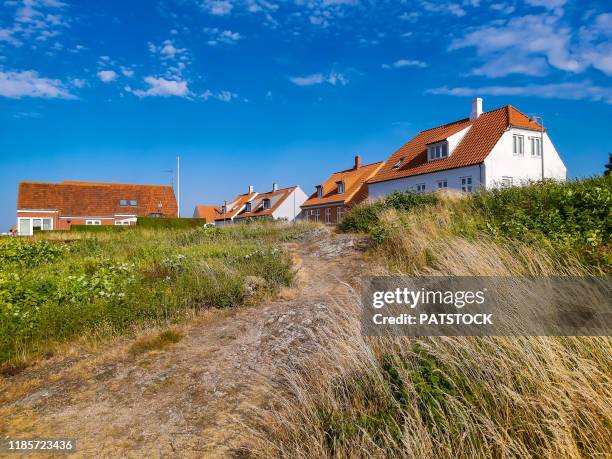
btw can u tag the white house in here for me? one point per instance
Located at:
(503, 147)
(279, 204)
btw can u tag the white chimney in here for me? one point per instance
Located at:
(274, 187)
(251, 189)
(476, 108)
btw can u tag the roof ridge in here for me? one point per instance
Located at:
(360, 167)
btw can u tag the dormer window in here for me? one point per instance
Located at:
(437, 151)
(319, 191)
(340, 187)
(399, 163)
(133, 202)
(247, 206)
(266, 203)
(123, 202)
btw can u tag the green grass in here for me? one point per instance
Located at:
(569, 219)
(56, 287)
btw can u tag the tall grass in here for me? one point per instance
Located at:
(447, 397)
(59, 286)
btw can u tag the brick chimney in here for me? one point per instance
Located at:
(357, 162)
(476, 109)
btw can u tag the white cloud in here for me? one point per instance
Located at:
(573, 91)
(217, 36)
(223, 96)
(333, 78)
(107, 75)
(33, 20)
(444, 8)
(218, 7)
(78, 82)
(548, 4)
(161, 87)
(127, 72)
(16, 85)
(405, 63)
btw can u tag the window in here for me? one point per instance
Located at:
(306, 215)
(437, 151)
(266, 203)
(46, 224)
(536, 146)
(340, 187)
(518, 143)
(420, 187)
(24, 226)
(506, 182)
(121, 222)
(123, 202)
(93, 222)
(466, 184)
(133, 202)
(442, 184)
(327, 215)
(399, 163)
(248, 206)
(338, 214)
(317, 215)
(319, 191)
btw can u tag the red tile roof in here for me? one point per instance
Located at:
(475, 146)
(276, 199)
(235, 206)
(210, 213)
(353, 181)
(89, 199)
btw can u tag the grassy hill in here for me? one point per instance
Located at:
(460, 396)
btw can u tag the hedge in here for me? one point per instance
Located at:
(170, 223)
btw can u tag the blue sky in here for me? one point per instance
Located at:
(258, 91)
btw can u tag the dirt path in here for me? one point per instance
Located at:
(190, 399)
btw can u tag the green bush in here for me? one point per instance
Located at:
(99, 228)
(364, 217)
(170, 223)
(28, 253)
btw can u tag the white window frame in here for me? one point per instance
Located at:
(437, 151)
(536, 146)
(133, 203)
(340, 187)
(93, 222)
(518, 145)
(466, 184)
(338, 214)
(327, 215)
(420, 188)
(31, 227)
(247, 206)
(506, 182)
(319, 191)
(442, 184)
(266, 204)
(317, 215)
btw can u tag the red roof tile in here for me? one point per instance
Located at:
(276, 199)
(235, 206)
(475, 146)
(210, 213)
(353, 180)
(96, 199)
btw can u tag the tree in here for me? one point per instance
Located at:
(609, 165)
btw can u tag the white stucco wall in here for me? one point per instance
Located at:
(501, 162)
(452, 176)
(453, 140)
(290, 209)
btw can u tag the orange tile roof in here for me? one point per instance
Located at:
(96, 199)
(210, 213)
(475, 146)
(353, 180)
(235, 206)
(276, 199)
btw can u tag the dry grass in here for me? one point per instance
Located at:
(444, 397)
(158, 342)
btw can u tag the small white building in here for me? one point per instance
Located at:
(279, 204)
(500, 148)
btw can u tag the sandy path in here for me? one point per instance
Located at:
(190, 399)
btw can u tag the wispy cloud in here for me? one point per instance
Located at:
(405, 63)
(161, 87)
(332, 78)
(107, 76)
(217, 36)
(218, 7)
(33, 21)
(223, 96)
(18, 84)
(572, 91)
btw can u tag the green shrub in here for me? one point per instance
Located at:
(99, 228)
(28, 253)
(170, 223)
